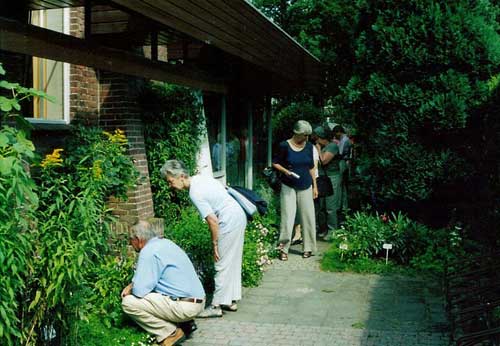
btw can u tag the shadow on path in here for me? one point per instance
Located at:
(297, 304)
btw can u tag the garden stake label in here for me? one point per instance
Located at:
(387, 247)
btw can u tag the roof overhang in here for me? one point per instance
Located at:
(239, 36)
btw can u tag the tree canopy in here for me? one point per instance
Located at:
(414, 79)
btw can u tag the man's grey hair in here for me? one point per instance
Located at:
(174, 168)
(302, 127)
(142, 230)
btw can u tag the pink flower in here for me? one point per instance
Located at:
(384, 218)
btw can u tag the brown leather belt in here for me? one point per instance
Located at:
(190, 300)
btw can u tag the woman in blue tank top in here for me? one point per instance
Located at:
(298, 189)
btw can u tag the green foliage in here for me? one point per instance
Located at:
(260, 240)
(173, 126)
(72, 235)
(107, 280)
(437, 248)
(261, 236)
(55, 225)
(94, 333)
(358, 245)
(100, 158)
(422, 68)
(18, 201)
(192, 235)
(417, 81)
(284, 120)
(334, 262)
(325, 28)
(364, 234)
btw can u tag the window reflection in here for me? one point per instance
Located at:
(213, 117)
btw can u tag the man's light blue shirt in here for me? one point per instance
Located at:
(163, 267)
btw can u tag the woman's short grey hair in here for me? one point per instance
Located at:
(174, 168)
(142, 230)
(302, 127)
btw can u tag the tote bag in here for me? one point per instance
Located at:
(245, 204)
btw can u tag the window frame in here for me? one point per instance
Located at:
(65, 118)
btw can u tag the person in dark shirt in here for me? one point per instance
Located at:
(345, 150)
(296, 163)
(330, 161)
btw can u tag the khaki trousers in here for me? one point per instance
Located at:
(301, 202)
(157, 314)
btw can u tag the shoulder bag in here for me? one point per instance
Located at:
(323, 183)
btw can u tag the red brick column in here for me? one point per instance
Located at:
(108, 100)
(118, 109)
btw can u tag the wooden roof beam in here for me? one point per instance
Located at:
(35, 41)
(173, 14)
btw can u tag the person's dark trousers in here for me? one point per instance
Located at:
(320, 214)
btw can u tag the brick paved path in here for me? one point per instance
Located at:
(297, 304)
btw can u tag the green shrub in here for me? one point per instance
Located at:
(364, 234)
(260, 239)
(360, 241)
(93, 332)
(191, 233)
(173, 124)
(285, 118)
(100, 158)
(437, 249)
(55, 225)
(18, 202)
(107, 280)
(406, 108)
(334, 261)
(73, 224)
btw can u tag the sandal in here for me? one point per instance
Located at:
(233, 307)
(283, 256)
(306, 254)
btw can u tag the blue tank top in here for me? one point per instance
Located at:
(299, 162)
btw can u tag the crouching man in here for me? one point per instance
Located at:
(165, 289)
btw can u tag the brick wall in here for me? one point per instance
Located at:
(108, 100)
(84, 84)
(119, 110)
(98, 98)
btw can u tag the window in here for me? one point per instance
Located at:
(51, 76)
(216, 130)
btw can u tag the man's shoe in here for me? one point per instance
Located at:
(188, 327)
(211, 311)
(233, 307)
(174, 339)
